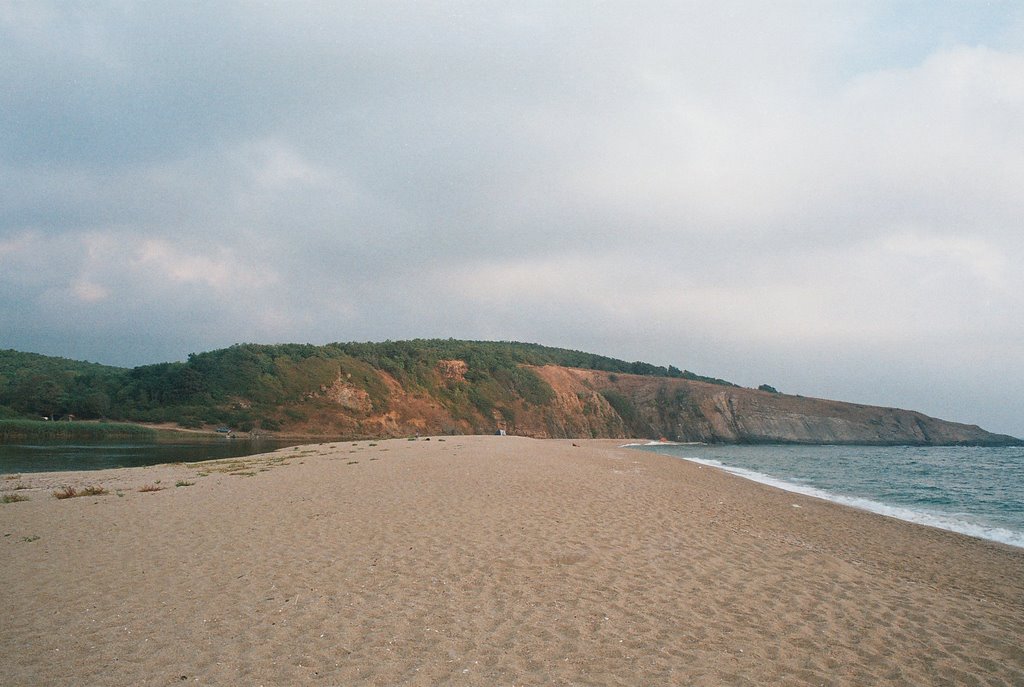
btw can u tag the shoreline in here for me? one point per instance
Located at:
(488, 560)
(935, 519)
(159, 432)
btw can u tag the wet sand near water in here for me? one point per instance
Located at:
(486, 561)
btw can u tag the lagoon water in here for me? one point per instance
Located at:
(977, 491)
(47, 456)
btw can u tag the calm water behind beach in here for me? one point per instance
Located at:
(43, 456)
(973, 490)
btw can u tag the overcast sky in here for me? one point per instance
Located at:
(825, 197)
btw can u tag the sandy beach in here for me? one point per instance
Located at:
(486, 561)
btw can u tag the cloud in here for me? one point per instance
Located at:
(804, 190)
(216, 268)
(90, 292)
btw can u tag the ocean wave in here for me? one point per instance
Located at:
(664, 443)
(942, 521)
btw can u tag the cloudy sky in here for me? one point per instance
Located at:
(825, 197)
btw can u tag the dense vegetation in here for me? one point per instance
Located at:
(268, 386)
(435, 386)
(398, 356)
(37, 386)
(20, 430)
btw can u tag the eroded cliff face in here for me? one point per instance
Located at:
(684, 410)
(589, 403)
(463, 387)
(577, 410)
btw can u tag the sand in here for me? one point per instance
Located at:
(487, 561)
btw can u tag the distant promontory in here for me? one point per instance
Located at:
(446, 386)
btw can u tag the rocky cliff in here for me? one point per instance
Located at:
(683, 410)
(591, 403)
(451, 387)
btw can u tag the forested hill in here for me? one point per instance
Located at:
(248, 384)
(33, 385)
(447, 386)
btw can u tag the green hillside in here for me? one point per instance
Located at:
(397, 388)
(34, 386)
(275, 386)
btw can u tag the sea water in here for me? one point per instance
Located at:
(977, 491)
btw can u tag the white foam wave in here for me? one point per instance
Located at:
(664, 443)
(932, 519)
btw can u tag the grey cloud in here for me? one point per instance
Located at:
(747, 192)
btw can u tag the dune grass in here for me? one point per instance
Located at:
(72, 492)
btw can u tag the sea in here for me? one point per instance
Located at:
(978, 491)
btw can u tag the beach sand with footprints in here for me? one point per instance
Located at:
(485, 561)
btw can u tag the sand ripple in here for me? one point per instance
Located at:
(489, 561)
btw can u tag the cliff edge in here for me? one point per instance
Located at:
(683, 410)
(398, 388)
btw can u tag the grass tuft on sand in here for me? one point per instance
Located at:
(72, 492)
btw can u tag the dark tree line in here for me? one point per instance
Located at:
(249, 384)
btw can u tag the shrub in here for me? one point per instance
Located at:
(71, 492)
(626, 410)
(296, 414)
(478, 397)
(89, 431)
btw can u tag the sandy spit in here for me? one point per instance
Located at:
(486, 561)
